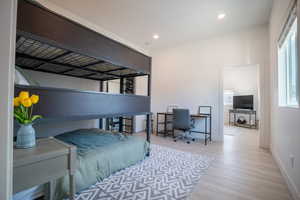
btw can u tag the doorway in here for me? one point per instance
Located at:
(241, 100)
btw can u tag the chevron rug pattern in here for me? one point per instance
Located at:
(167, 174)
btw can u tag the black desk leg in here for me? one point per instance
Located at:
(234, 118)
(255, 124)
(205, 130)
(157, 122)
(250, 120)
(165, 131)
(148, 127)
(210, 123)
(173, 132)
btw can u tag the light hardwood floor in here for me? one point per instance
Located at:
(241, 171)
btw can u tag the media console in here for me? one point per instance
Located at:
(248, 124)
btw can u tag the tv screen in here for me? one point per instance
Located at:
(243, 102)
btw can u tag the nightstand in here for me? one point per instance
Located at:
(50, 159)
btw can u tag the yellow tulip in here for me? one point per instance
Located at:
(24, 95)
(16, 101)
(34, 99)
(26, 102)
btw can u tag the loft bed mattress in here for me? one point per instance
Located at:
(100, 154)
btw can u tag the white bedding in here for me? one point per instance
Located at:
(29, 194)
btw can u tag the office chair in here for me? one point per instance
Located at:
(182, 122)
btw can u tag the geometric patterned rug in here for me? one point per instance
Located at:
(168, 174)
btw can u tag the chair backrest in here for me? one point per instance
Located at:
(181, 119)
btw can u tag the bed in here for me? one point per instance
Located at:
(100, 154)
(66, 48)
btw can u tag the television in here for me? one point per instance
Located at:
(243, 102)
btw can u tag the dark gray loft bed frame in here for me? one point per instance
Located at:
(48, 42)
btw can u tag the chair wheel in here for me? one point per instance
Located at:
(193, 140)
(175, 140)
(188, 142)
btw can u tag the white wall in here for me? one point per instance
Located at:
(52, 80)
(190, 75)
(242, 80)
(141, 88)
(285, 126)
(7, 51)
(59, 81)
(114, 86)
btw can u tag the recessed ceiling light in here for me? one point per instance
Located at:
(155, 36)
(221, 16)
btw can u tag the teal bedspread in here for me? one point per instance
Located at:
(100, 154)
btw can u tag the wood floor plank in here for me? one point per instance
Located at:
(241, 170)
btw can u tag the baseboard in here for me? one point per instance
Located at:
(291, 185)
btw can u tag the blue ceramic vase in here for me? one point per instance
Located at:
(25, 137)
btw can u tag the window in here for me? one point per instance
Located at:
(228, 97)
(288, 67)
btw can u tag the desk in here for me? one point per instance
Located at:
(166, 132)
(49, 160)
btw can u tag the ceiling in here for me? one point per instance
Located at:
(176, 21)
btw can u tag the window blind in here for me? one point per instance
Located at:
(292, 16)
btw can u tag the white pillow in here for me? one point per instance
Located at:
(30, 194)
(20, 79)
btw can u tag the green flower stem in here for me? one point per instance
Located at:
(27, 113)
(31, 112)
(24, 115)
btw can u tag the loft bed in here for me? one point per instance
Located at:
(47, 42)
(58, 104)
(51, 43)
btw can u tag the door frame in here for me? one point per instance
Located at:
(262, 95)
(8, 15)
